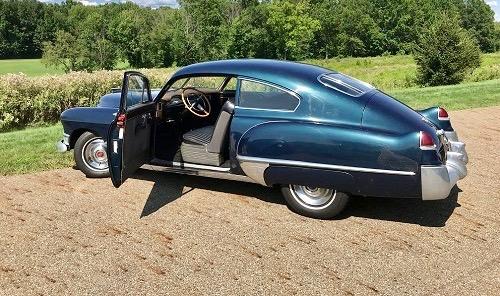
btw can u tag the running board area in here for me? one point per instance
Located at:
(196, 170)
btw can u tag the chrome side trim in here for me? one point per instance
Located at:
(199, 172)
(321, 165)
(187, 165)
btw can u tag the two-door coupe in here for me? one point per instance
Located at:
(319, 135)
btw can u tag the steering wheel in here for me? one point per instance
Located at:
(196, 101)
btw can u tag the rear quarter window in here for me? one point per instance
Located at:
(257, 95)
(345, 84)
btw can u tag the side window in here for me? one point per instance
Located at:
(263, 96)
(137, 91)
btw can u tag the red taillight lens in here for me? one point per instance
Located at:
(442, 114)
(426, 141)
(120, 121)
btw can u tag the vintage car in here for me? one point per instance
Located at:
(319, 135)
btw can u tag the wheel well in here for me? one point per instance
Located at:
(76, 134)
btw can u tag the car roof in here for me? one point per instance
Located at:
(288, 74)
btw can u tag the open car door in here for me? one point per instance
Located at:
(130, 134)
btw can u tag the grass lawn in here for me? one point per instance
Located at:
(34, 67)
(453, 97)
(30, 67)
(31, 150)
(397, 72)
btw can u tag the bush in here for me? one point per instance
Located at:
(33, 100)
(446, 53)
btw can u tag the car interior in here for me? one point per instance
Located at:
(192, 121)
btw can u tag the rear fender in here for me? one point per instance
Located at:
(432, 115)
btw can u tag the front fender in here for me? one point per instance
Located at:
(92, 119)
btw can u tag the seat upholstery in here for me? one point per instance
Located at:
(206, 145)
(201, 136)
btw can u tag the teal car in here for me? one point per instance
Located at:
(317, 134)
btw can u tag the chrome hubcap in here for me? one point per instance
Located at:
(94, 154)
(313, 197)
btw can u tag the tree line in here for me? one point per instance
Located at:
(78, 37)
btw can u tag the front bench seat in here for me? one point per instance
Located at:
(206, 145)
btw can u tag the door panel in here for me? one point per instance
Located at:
(130, 134)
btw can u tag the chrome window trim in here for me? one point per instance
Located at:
(322, 165)
(326, 76)
(290, 92)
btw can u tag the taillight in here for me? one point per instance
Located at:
(442, 114)
(426, 141)
(120, 121)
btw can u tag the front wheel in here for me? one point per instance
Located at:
(315, 202)
(90, 155)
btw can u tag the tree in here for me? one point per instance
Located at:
(478, 18)
(445, 53)
(63, 52)
(291, 28)
(201, 31)
(248, 35)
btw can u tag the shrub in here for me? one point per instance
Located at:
(446, 53)
(32, 100)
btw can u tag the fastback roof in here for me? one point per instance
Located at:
(288, 74)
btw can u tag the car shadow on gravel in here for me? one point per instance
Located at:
(169, 187)
(405, 210)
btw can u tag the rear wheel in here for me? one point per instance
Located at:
(315, 202)
(90, 155)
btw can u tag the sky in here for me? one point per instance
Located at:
(495, 4)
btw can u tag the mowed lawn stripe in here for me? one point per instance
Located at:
(31, 150)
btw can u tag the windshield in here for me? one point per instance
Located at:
(210, 82)
(345, 84)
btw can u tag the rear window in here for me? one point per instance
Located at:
(345, 84)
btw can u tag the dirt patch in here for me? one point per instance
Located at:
(61, 233)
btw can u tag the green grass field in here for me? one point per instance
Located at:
(30, 67)
(386, 72)
(453, 97)
(32, 150)
(34, 67)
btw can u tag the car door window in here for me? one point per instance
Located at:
(258, 95)
(137, 91)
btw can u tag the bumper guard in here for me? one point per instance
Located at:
(437, 181)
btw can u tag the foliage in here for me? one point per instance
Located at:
(478, 18)
(446, 53)
(291, 29)
(30, 100)
(200, 30)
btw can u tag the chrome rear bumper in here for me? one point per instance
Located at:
(437, 181)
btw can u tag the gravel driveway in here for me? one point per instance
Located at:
(61, 233)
